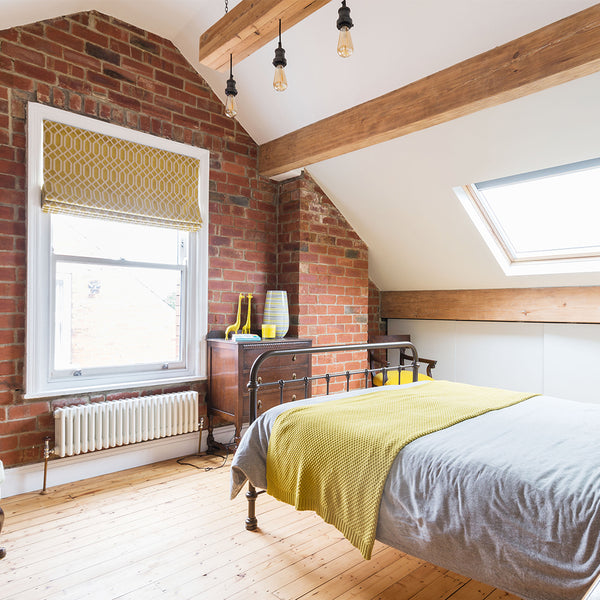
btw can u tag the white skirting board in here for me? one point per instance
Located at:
(30, 478)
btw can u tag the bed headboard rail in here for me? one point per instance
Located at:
(254, 385)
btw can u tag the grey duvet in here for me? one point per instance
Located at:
(510, 498)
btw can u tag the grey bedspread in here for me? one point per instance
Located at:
(510, 498)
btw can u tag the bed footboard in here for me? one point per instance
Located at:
(407, 360)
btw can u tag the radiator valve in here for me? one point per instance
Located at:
(47, 452)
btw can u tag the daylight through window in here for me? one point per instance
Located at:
(112, 281)
(542, 218)
(117, 256)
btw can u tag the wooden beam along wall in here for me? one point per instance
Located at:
(249, 26)
(535, 305)
(555, 54)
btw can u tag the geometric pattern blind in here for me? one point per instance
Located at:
(95, 175)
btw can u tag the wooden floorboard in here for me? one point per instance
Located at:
(169, 531)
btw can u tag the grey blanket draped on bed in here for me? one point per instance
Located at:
(510, 498)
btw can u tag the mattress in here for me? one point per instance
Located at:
(510, 498)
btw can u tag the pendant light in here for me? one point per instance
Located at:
(279, 62)
(345, 46)
(231, 92)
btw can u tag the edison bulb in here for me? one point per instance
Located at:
(231, 106)
(345, 46)
(280, 80)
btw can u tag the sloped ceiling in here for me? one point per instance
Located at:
(397, 195)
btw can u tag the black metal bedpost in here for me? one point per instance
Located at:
(251, 520)
(252, 393)
(2, 550)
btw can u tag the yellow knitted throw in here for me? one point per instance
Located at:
(334, 457)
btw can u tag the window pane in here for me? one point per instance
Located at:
(97, 238)
(115, 316)
(550, 214)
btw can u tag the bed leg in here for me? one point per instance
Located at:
(2, 550)
(251, 521)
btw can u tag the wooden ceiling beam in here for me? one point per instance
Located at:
(555, 54)
(250, 25)
(533, 305)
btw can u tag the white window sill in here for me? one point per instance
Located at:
(112, 388)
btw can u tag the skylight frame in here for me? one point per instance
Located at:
(559, 260)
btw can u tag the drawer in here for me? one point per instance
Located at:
(251, 354)
(287, 372)
(270, 397)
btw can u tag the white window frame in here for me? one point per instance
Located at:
(511, 262)
(40, 321)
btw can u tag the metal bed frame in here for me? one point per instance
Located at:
(254, 385)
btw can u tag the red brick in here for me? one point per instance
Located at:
(8, 442)
(123, 100)
(35, 72)
(24, 53)
(234, 276)
(15, 81)
(88, 34)
(10, 458)
(45, 422)
(19, 426)
(64, 39)
(104, 81)
(63, 402)
(75, 103)
(29, 441)
(122, 395)
(28, 410)
(163, 77)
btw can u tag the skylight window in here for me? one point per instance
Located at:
(540, 222)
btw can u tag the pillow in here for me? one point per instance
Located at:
(392, 378)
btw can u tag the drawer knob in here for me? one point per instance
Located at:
(259, 404)
(259, 380)
(293, 397)
(294, 376)
(293, 358)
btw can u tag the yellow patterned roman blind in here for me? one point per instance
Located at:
(91, 174)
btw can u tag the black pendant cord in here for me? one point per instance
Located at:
(279, 60)
(231, 90)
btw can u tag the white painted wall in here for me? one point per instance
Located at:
(549, 358)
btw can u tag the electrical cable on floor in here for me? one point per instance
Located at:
(180, 461)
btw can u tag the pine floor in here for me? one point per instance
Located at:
(169, 531)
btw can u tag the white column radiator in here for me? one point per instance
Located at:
(89, 427)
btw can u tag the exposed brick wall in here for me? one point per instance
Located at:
(291, 242)
(261, 235)
(377, 326)
(98, 66)
(323, 265)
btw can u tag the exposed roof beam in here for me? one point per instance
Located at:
(249, 26)
(535, 305)
(555, 54)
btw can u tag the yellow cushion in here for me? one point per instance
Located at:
(392, 378)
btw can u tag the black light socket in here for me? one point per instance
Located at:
(279, 60)
(344, 19)
(230, 90)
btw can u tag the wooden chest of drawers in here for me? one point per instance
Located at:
(229, 366)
